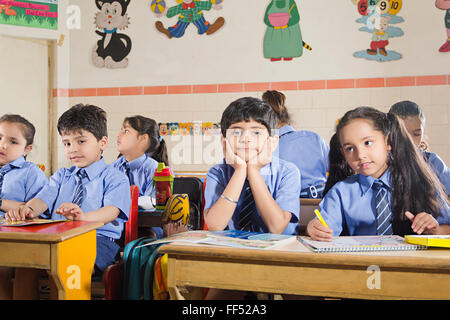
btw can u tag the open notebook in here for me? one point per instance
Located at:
(360, 243)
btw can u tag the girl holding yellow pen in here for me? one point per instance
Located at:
(378, 184)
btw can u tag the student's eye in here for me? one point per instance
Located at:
(81, 141)
(235, 133)
(66, 144)
(369, 143)
(348, 149)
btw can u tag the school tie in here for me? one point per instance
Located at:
(126, 166)
(79, 189)
(383, 209)
(2, 175)
(247, 211)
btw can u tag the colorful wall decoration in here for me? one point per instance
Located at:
(445, 5)
(112, 49)
(188, 12)
(283, 37)
(378, 17)
(36, 14)
(195, 128)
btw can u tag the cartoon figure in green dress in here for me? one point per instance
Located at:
(283, 38)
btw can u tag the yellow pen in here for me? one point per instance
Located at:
(318, 215)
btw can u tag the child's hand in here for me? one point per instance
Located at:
(423, 223)
(71, 211)
(231, 158)
(264, 156)
(21, 213)
(317, 231)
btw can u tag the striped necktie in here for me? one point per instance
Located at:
(79, 189)
(383, 209)
(247, 211)
(126, 166)
(2, 176)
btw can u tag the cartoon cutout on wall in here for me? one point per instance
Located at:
(188, 12)
(283, 37)
(113, 48)
(445, 5)
(377, 15)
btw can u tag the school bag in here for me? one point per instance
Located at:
(138, 264)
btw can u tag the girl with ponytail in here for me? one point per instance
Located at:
(379, 184)
(141, 148)
(306, 149)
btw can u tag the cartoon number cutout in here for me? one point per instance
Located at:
(373, 3)
(383, 6)
(362, 7)
(395, 6)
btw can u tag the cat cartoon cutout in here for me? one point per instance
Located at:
(112, 49)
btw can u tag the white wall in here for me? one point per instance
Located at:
(234, 55)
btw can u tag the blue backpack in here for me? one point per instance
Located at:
(139, 269)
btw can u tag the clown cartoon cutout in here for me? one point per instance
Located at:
(283, 38)
(378, 17)
(189, 12)
(445, 5)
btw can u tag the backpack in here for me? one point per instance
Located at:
(139, 269)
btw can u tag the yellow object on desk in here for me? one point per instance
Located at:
(319, 216)
(429, 241)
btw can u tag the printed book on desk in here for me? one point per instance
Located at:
(32, 222)
(231, 238)
(360, 243)
(429, 241)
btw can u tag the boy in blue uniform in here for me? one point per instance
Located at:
(251, 190)
(88, 191)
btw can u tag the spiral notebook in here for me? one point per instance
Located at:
(360, 243)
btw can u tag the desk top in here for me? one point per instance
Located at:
(297, 254)
(52, 232)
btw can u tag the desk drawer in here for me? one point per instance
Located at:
(28, 255)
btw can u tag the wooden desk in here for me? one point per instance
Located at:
(403, 274)
(67, 250)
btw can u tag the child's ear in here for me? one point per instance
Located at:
(27, 149)
(103, 143)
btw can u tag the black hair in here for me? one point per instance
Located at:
(28, 129)
(84, 117)
(246, 109)
(157, 148)
(406, 108)
(415, 187)
(277, 101)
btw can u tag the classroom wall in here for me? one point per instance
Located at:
(196, 77)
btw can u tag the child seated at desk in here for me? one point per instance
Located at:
(20, 180)
(414, 120)
(393, 191)
(141, 148)
(90, 190)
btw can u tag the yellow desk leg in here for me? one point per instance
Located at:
(73, 264)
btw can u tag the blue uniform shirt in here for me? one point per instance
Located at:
(439, 167)
(353, 200)
(142, 170)
(22, 182)
(106, 186)
(308, 151)
(282, 179)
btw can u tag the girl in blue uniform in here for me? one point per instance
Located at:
(414, 121)
(306, 149)
(379, 183)
(20, 180)
(141, 148)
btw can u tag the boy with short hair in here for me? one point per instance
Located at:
(252, 190)
(90, 190)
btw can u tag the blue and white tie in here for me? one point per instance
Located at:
(79, 189)
(2, 176)
(383, 209)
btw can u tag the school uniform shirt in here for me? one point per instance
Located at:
(142, 170)
(22, 181)
(282, 178)
(106, 186)
(308, 151)
(352, 201)
(439, 167)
